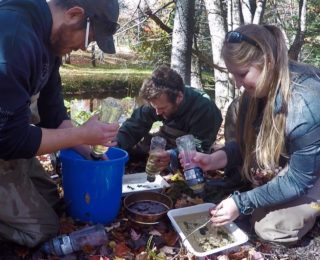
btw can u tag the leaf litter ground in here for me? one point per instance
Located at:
(129, 240)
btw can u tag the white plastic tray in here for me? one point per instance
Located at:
(138, 182)
(239, 236)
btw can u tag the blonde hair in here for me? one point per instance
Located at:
(265, 148)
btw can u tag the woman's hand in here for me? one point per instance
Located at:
(225, 212)
(206, 162)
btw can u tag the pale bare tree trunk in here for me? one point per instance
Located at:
(196, 73)
(229, 15)
(217, 32)
(200, 19)
(246, 11)
(296, 46)
(182, 38)
(233, 14)
(67, 58)
(261, 4)
(236, 21)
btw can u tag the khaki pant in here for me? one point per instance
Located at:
(288, 222)
(27, 195)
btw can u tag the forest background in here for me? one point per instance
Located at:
(187, 35)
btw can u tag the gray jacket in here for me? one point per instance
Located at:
(304, 162)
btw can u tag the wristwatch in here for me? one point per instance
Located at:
(243, 207)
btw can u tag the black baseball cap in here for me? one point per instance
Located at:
(103, 15)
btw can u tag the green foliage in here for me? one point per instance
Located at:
(285, 14)
(154, 46)
(311, 48)
(151, 250)
(78, 80)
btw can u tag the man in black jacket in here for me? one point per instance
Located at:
(33, 119)
(181, 109)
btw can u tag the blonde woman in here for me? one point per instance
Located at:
(278, 137)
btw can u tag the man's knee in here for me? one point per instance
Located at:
(30, 234)
(283, 227)
(39, 234)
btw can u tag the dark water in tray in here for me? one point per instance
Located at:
(148, 207)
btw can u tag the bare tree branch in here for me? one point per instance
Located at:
(202, 57)
(157, 20)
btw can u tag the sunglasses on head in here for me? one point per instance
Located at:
(237, 37)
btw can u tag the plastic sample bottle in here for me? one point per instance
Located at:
(192, 173)
(110, 112)
(66, 244)
(158, 144)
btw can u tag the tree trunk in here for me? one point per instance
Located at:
(261, 4)
(67, 58)
(229, 15)
(236, 20)
(93, 55)
(182, 38)
(296, 46)
(246, 11)
(217, 32)
(196, 73)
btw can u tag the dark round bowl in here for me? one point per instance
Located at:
(147, 207)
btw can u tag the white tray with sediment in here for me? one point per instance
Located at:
(209, 239)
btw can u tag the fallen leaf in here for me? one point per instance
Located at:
(195, 201)
(181, 203)
(112, 244)
(22, 251)
(155, 232)
(177, 177)
(169, 250)
(142, 256)
(134, 235)
(121, 249)
(170, 238)
(98, 257)
(67, 225)
(241, 254)
(119, 235)
(254, 255)
(223, 257)
(113, 226)
(87, 249)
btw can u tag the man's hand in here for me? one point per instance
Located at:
(100, 133)
(162, 159)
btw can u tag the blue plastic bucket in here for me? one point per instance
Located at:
(93, 189)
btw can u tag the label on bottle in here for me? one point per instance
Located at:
(195, 180)
(151, 167)
(65, 245)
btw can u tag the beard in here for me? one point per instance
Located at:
(61, 41)
(57, 42)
